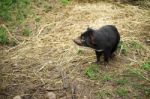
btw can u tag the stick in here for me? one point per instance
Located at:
(9, 33)
(73, 90)
(148, 41)
(64, 79)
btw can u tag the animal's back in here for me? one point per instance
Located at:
(107, 36)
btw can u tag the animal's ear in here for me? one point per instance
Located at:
(90, 32)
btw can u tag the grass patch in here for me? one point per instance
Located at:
(3, 36)
(142, 88)
(20, 16)
(80, 52)
(127, 47)
(123, 47)
(121, 91)
(106, 77)
(47, 8)
(139, 80)
(9, 8)
(121, 81)
(102, 94)
(37, 19)
(14, 42)
(146, 91)
(146, 65)
(135, 45)
(136, 74)
(92, 71)
(26, 32)
(64, 2)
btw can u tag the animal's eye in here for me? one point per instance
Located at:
(82, 38)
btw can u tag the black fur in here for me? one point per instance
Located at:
(106, 39)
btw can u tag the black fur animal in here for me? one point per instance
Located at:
(103, 41)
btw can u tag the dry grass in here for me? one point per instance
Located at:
(49, 60)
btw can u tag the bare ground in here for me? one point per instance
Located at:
(49, 60)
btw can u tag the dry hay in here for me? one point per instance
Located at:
(50, 60)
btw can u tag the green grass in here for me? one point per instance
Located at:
(47, 8)
(139, 80)
(103, 94)
(106, 77)
(14, 42)
(135, 45)
(80, 51)
(135, 73)
(11, 8)
(121, 81)
(64, 2)
(37, 19)
(20, 16)
(142, 88)
(146, 91)
(123, 47)
(127, 47)
(26, 32)
(92, 71)
(3, 36)
(121, 91)
(146, 65)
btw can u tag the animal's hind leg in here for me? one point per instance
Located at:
(112, 51)
(107, 54)
(98, 54)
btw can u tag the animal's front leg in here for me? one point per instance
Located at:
(98, 54)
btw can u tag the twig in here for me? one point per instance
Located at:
(40, 78)
(49, 62)
(15, 47)
(9, 33)
(132, 60)
(64, 79)
(148, 41)
(120, 50)
(37, 87)
(73, 90)
(63, 73)
(54, 89)
(42, 28)
(4, 94)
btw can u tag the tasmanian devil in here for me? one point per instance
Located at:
(103, 40)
